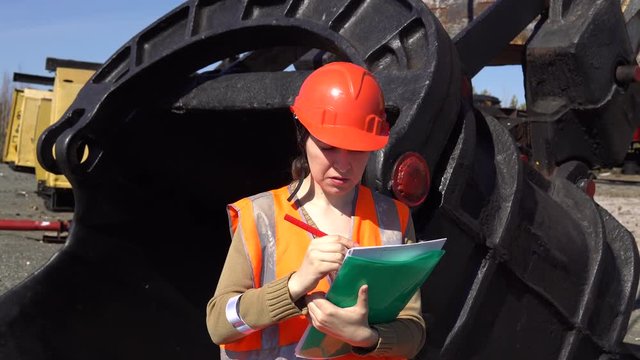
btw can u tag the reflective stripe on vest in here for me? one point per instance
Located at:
(284, 352)
(275, 248)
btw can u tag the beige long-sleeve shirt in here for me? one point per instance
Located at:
(272, 303)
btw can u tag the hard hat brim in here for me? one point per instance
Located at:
(347, 138)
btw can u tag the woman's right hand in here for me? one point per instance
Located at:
(324, 256)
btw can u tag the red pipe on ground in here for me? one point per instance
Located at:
(33, 225)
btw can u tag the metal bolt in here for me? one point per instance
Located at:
(627, 74)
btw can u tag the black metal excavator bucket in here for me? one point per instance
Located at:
(534, 269)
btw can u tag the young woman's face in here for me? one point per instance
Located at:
(336, 170)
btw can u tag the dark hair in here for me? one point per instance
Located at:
(300, 165)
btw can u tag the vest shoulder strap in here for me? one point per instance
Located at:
(393, 218)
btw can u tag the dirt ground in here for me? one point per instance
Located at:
(22, 253)
(622, 201)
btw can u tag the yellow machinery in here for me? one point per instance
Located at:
(32, 111)
(10, 148)
(28, 107)
(56, 189)
(36, 107)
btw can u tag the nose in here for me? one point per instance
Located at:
(342, 161)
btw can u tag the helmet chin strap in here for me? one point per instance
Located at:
(295, 191)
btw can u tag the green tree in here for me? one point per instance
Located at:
(513, 104)
(483, 92)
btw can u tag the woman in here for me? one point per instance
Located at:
(272, 282)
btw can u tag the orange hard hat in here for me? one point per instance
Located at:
(341, 104)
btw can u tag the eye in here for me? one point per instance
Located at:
(326, 147)
(322, 145)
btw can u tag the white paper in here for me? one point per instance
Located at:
(400, 252)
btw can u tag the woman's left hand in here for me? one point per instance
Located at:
(350, 324)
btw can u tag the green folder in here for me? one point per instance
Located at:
(393, 273)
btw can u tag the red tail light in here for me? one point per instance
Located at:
(411, 179)
(588, 186)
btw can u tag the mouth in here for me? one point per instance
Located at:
(339, 179)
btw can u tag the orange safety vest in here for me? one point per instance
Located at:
(276, 248)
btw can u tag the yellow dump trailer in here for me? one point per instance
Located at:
(35, 106)
(10, 148)
(56, 189)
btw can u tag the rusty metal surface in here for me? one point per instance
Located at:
(455, 15)
(487, 36)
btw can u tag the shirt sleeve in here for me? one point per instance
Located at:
(237, 279)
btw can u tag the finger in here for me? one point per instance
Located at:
(326, 257)
(363, 297)
(325, 266)
(319, 270)
(328, 268)
(335, 247)
(324, 306)
(346, 242)
(327, 239)
(314, 320)
(314, 313)
(323, 262)
(329, 257)
(336, 239)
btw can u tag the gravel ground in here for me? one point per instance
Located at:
(622, 201)
(22, 253)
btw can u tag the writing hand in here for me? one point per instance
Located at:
(324, 255)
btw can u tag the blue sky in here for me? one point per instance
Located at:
(86, 30)
(501, 81)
